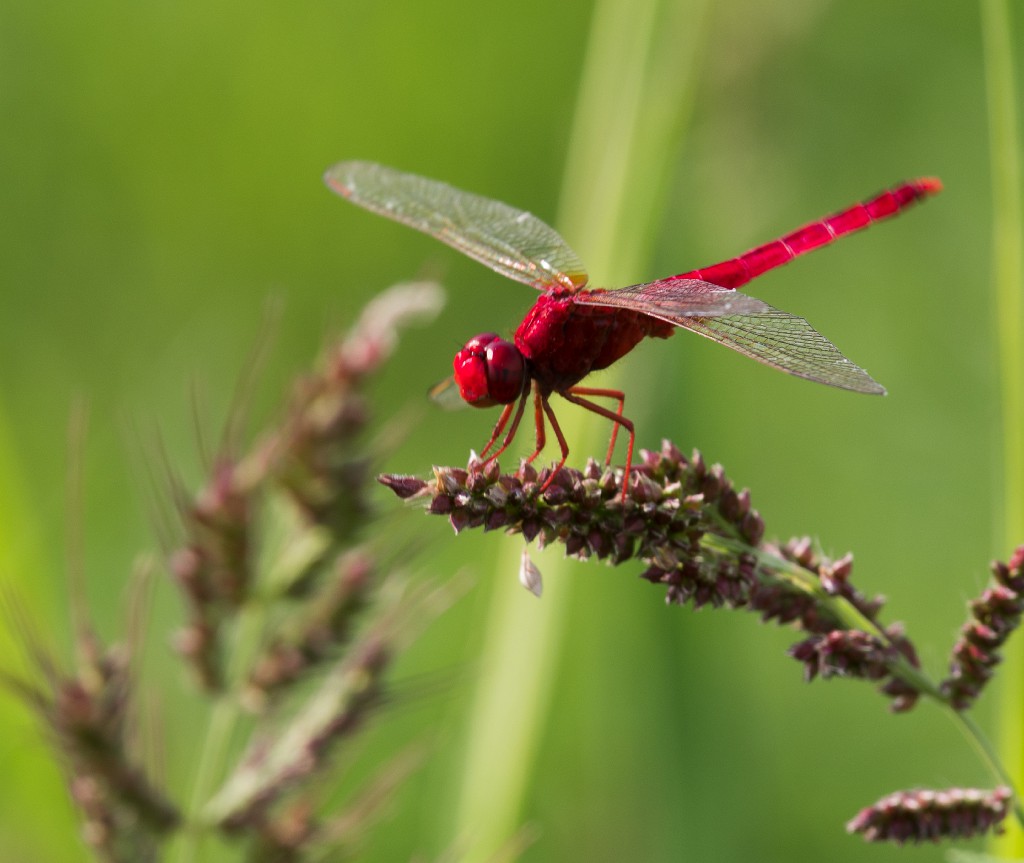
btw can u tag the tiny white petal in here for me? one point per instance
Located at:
(529, 575)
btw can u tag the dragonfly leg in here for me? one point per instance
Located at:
(620, 397)
(617, 418)
(538, 422)
(500, 427)
(558, 434)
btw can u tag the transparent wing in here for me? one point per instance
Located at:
(446, 394)
(788, 343)
(509, 241)
(676, 300)
(743, 323)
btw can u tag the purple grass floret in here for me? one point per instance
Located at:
(994, 617)
(86, 716)
(213, 566)
(928, 816)
(698, 536)
(701, 539)
(294, 611)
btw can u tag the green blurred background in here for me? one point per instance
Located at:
(160, 186)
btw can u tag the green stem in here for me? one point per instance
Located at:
(849, 617)
(211, 759)
(989, 755)
(846, 615)
(220, 731)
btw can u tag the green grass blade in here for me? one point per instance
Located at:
(635, 93)
(1008, 288)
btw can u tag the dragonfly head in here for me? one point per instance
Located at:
(489, 371)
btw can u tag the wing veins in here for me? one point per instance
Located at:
(511, 242)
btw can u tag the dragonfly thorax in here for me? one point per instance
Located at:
(489, 371)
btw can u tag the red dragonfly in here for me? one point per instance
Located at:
(573, 330)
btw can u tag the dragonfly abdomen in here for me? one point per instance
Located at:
(738, 271)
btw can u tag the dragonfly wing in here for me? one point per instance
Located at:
(509, 241)
(745, 324)
(788, 343)
(446, 394)
(676, 300)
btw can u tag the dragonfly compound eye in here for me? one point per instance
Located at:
(489, 371)
(504, 371)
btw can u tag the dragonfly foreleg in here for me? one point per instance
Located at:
(499, 427)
